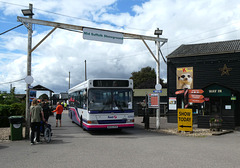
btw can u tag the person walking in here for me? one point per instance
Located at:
(65, 106)
(58, 111)
(46, 111)
(36, 112)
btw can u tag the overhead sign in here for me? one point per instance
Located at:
(185, 120)
(196, 91)
(153, 100)
(101, 35)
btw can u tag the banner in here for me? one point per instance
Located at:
(185, 78)
(104, 36)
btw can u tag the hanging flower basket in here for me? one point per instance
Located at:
(215, 124)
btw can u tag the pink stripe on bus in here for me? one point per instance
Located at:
(76, 114)
(105, 126)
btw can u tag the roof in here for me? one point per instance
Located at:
(143, 92)
(42, 88)
(232, 46)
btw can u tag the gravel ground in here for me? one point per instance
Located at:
(5, 133)
(197, 132)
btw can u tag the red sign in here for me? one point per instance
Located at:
(196, 100)
(195, 96)
(179, 92)
(154, 101)
(206, 98)
(196, 91)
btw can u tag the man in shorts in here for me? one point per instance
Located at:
(58, 111)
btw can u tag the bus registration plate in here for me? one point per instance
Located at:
(112, 127)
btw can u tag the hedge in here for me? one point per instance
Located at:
(16, 109)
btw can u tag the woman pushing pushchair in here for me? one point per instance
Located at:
(36, 114)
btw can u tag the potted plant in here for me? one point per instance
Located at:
(215, 123)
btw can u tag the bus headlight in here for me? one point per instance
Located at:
(130, 120)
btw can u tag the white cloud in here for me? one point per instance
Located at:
(64, 51)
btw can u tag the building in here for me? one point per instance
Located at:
(140, 94)
(59, 97)
(214, 68)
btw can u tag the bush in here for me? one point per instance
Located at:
(10, 110)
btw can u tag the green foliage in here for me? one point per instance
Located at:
(44, 97)
(10, 106)
(15, 109)
(5, 110)
(145, 79)
(9, 98)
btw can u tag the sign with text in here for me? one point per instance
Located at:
(196, 91)
(195, 96)
(101, 35)
(153, 100)
(196, 101)
(172, 103)
(185, 120)
(179, 92)
(157, 91)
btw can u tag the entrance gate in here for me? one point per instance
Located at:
(119, 35)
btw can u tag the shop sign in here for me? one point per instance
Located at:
(215, 91)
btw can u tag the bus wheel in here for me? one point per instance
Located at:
(81, 122)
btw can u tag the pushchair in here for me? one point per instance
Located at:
(46, 131)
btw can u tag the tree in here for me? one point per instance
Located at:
(145, 79)
(44, 97)
(10, 98)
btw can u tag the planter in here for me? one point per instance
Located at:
(215, 126)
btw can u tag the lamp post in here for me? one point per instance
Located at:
(85, 70)
(158, 33)
(29, 13)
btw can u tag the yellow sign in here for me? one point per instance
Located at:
(185, 120)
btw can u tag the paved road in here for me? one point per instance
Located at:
(130, 148)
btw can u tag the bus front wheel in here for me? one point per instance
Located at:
(81, 122)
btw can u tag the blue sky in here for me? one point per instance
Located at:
(182, 22)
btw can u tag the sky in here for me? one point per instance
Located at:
(182, 22)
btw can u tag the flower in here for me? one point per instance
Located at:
(215, 120)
